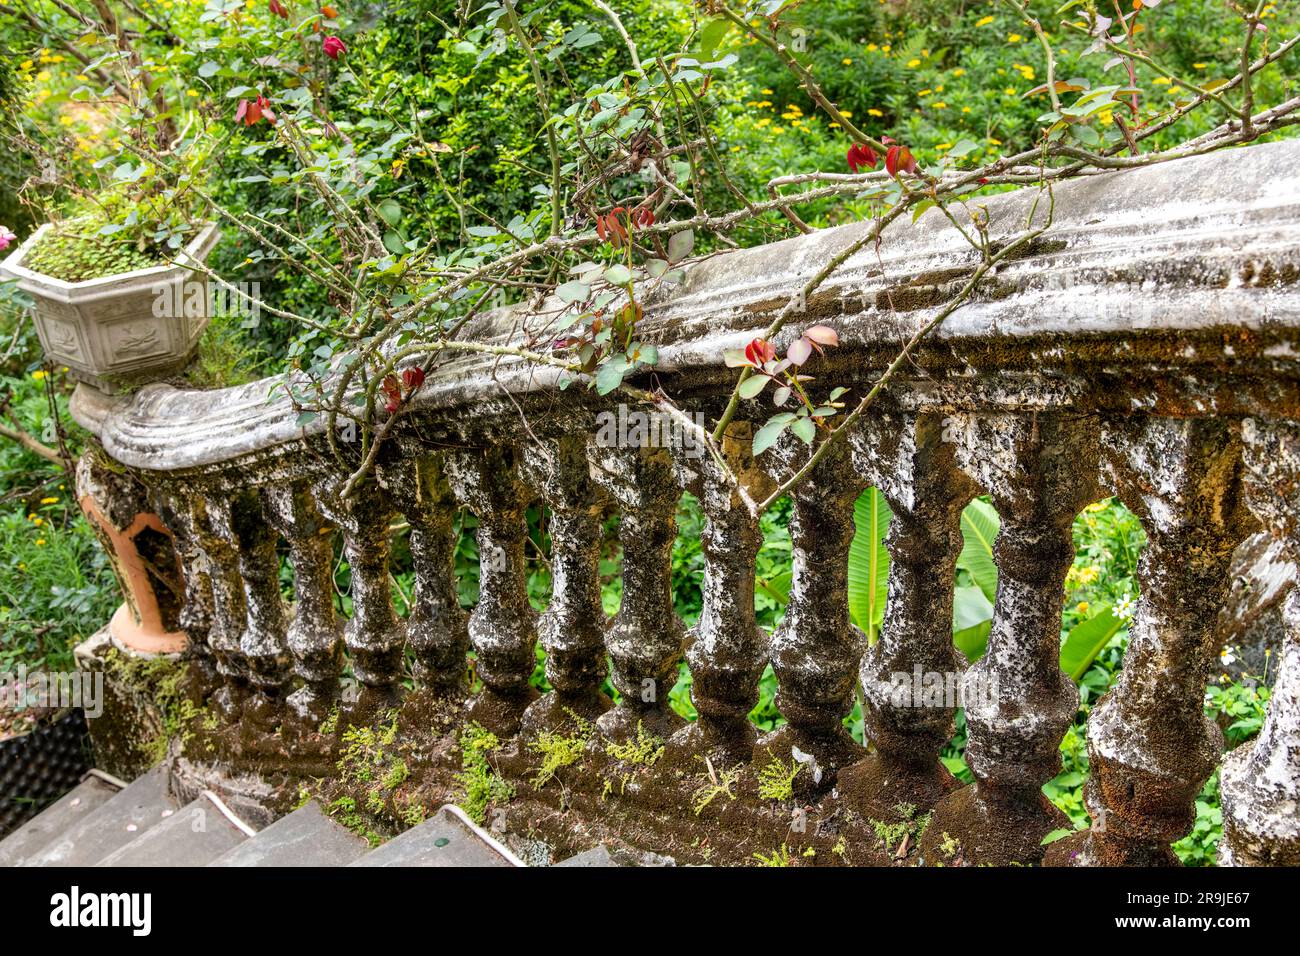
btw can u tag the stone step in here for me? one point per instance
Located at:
(596, 856)
(445, 839)
(194, 835)
(306, 837)
(115, 823)
(37, 833)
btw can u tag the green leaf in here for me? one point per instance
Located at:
(1054, 836)
(766, 436)
(751, 386)
(573, 291)
(680, 245)
(972, 621)
(979, 526)
(610, 375)
(1086, 639)
(805, 429)
(869, 562)
(390, 211)
(656, 267)
(618, 275)
(712, 34)
(963, 147)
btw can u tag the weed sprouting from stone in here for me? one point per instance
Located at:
(778, 857)
(776, 780)
(560, 750)
(482, 784)
(718, 784)
(641, 752)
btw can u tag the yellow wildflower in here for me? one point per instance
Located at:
(983, 21)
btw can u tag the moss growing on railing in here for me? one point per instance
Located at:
(482, 785)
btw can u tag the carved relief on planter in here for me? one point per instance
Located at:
(121, 330)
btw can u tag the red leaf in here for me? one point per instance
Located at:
(241, 110)
(759, 351)
(860, 155)
(822, 335)
(799, 352)
(899, 158)
(413, 378)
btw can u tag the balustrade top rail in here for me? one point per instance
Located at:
(1172, 289)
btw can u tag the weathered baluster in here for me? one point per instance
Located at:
(729, 649)
(437, 629)
(210, 519)
(572, 628)
(503, 627)
(374, 635)
(1150, 745)
(817, 649)
(645, 640)
(907, 459)
(1040, 471)
(196, 614)
(263, 642)
(1260, 780)
(315, 635)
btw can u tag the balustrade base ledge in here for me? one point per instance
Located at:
(694, 814)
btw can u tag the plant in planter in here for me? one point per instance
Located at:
(116, 295)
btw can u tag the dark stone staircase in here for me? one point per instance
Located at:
(104, 822)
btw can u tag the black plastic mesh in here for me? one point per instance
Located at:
(41, 766)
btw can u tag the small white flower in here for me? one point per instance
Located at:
(1227, 656)
(1124, 609)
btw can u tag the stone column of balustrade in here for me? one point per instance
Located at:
(645, 641)
(1150, 746)
(817, 649)
(196, 614)
(375, 636)
(315, 635)
(727, 650)
(1260, 780)
(908, 459)
(572, 628)
(1040, 470)
(437, 629)
(264, 641)
(503, 626)
(211, 522)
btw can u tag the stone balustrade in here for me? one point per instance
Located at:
(1147, 346)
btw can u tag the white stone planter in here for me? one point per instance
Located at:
(122, 330)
